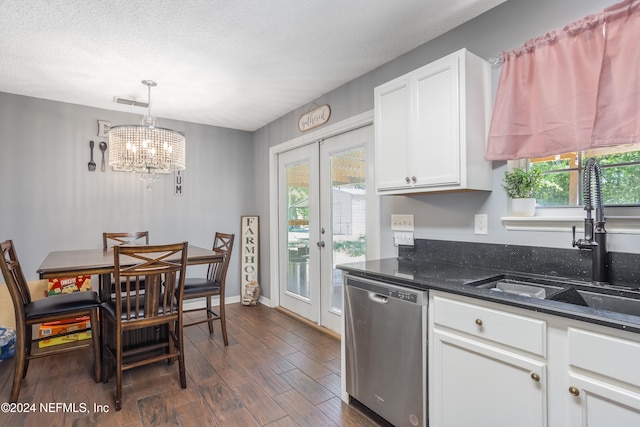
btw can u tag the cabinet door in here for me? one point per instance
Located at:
(392, 104)
(435, 149)
(596, 403)
(475, 384)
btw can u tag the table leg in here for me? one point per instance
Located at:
(105, 287)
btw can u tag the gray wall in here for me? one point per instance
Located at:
(50, 201)
(441, 216)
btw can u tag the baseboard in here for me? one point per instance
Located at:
(309, 323)
(265, 301)
(193, 304)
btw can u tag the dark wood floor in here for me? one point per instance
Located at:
(275, 372)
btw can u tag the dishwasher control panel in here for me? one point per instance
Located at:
(387, 290)
(403, 295)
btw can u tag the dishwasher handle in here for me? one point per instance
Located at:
(377, 298)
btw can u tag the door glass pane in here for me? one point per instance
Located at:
(348, 214)
(298, 229)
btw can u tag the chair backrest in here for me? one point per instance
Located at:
(15, 280)
(222, 244)
(116, 239)
(162, 269)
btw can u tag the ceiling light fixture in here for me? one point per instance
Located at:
(145, 148)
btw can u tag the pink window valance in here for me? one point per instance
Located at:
(571, 89)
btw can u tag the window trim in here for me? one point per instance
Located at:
(618, 219)
(618, 223)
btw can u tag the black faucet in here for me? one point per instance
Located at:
(595, 235)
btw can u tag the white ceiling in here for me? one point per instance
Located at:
(232, 63)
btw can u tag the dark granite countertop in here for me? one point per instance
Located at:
(455, 278)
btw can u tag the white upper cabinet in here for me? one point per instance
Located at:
(431, 126)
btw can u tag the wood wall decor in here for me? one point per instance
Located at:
(249, 248)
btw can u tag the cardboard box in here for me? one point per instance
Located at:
(54, 329)
(65, 340)
(61, 323)
(65, 285)
(58, 286)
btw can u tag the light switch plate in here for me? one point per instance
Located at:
(402, 222)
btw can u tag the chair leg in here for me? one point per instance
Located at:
(181, 365)
(223, 322)
(20, 364)
(104, 338)
(209, 315)
(118, 349)
(97, 347)
(173, 341)
(28, 346)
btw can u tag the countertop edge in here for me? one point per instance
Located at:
(610, 319)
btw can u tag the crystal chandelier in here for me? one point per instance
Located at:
(146, 148)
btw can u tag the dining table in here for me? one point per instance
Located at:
(85, 262)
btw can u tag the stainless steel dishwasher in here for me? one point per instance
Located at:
(386, 349)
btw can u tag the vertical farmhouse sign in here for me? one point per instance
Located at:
(249, 239)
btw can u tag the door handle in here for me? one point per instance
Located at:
(320, 244)
(380, 299)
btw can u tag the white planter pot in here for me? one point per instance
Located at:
(523, 207)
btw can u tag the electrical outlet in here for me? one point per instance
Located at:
(402, 222)
(481, 223)
(403, 238)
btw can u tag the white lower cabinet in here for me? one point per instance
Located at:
(483, 370)
(604, 380)
(481, 385)
(597, 403)
(495, 365)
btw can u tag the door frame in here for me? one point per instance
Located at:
(343, 126)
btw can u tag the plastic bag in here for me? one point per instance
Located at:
(7, 343)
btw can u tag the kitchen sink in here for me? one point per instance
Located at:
(521, 285)
(627, 302)
(601, 297)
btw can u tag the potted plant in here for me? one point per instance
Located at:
(521, 186)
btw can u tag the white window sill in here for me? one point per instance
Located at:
(617, 220)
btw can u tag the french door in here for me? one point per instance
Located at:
(323, 221)
(299, 230)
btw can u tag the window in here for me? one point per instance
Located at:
(562, 184)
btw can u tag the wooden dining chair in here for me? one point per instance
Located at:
(156, 307)
(110, 240)
(212, 285)
(116, 239)
(53, 308)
